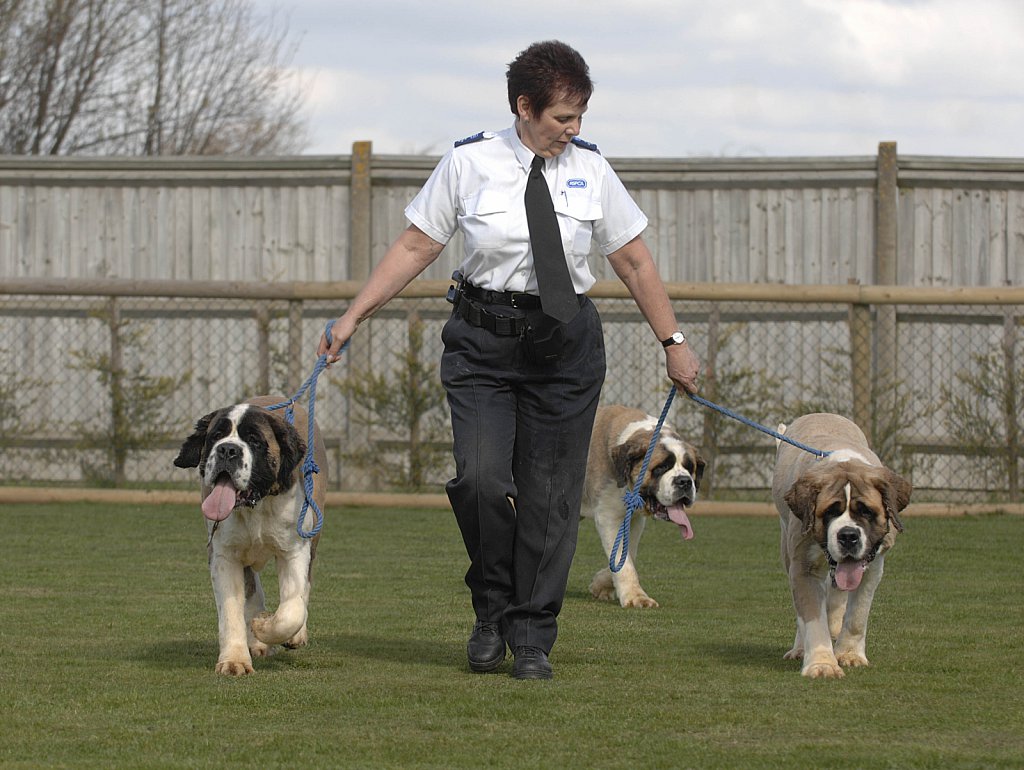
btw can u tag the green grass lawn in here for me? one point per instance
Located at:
(108, 642)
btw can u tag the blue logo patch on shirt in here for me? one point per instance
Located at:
(576, 184)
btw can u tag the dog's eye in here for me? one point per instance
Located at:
(862, 510)
(833, 511)
(662, 469)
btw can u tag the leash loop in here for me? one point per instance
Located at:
(309, 466)
(633, 498)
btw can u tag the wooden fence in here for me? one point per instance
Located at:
(885, 219)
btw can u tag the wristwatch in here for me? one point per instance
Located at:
(676, 339)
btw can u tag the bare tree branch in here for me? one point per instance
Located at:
(145, 77)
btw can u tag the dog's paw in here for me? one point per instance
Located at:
(258, 649)
(797, 653)
(300, 639)
(851, 659)
(601, 587)
(234, 667)
(640, 599)
(822, 671)
(260, 626)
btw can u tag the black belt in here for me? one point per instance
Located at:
(511, 298)
(468, 296)
(476, 315)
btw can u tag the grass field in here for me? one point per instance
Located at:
(108, 641)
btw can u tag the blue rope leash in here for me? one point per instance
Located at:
(633, 498)
(746, 421)
(309, 466)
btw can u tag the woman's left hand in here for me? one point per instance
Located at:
(683, 367)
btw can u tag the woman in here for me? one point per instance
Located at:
(523, 365)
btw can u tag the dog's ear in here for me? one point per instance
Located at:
(802, 498)
(626, 457)
(293, 449)
(191, 451)
(896, 492)
(699, 474)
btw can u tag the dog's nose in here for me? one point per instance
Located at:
(228, 452)
(849, 538)
(683, 482)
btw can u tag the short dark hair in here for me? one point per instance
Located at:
(546, 72)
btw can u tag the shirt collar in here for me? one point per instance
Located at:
(523, 153)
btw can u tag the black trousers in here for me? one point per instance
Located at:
(521, 435)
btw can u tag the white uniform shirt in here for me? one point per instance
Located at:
(478, 188)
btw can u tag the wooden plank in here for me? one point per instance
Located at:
(1015, 239)
(975, 260)
(774, 237)
(756, 268)
(182, 223)
(319, 249)
(998, 227)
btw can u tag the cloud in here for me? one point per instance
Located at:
(677, 77)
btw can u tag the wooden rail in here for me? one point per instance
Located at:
(847, 294)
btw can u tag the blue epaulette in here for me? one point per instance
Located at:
(585, 145)
(475, 138)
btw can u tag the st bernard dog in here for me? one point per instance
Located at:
(839, 517)
(250, 468)
(618, 446)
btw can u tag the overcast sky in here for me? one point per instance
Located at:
(674, 78)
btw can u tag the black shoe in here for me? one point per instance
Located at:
(531, 663)
(486, 647)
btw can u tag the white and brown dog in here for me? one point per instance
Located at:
(839, 517)
(250, 467)
(618, 446)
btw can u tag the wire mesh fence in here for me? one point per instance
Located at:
(101, 390)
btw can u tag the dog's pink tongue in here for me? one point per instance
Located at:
(220, 502)
(848, 574)
(677, 514)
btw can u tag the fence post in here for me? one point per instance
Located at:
(709, 439)
(360, 355)
(860, 366)
(360, 211)
(263, 346)
(298, 356)
(886, 214)
(1010, 404)
(885, 360)
(119, 451)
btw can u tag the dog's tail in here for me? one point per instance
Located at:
(780, 429)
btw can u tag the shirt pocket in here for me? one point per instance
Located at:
(576, 218)
(485, 223)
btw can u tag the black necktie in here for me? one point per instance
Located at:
(557, 295)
